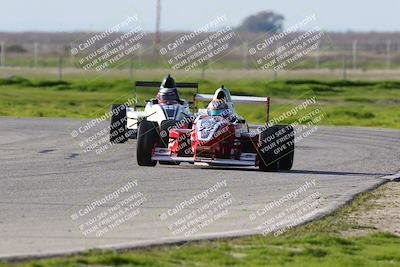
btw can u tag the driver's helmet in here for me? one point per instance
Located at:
(168, 94)
(217, 107)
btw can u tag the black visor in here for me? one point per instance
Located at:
(168, 96)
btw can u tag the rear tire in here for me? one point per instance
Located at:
(118, 130)
(287, 155)
(266, 145)
(280, 138)
(147, 138)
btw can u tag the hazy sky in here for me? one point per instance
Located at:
(97, 15)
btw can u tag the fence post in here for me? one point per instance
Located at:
(203, 70)
(344, 68)
(245, 56)
(388, 54)
(209, 65)
(35, 54)
(317, 56)
(72, 59)
(59, 64)
(131, 68)
(3, 55)
(140, 57)
(354, 49)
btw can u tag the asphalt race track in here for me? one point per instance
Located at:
(47, 182)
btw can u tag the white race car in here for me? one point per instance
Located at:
(163, 110)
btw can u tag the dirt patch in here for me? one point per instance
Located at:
(379, 213)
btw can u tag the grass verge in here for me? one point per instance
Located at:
(355, 103)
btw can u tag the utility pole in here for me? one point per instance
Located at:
(158, 22)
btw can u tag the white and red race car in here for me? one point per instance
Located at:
(209, 140)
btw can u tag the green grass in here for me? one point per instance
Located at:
(319, 243)
(310, 250)
(355, 103)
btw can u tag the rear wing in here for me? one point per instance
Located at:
(239, 99)
(234, 98)
(158, 84)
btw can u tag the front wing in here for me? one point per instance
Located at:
(246, 159)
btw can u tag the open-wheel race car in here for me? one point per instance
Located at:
(217, 136)
(166, 108)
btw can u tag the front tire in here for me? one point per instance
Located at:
(147, 138)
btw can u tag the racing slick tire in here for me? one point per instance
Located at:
(147, 138)
(276, 148)
(266, 144)
(118, 129)
(286, 156)
(164, 138)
